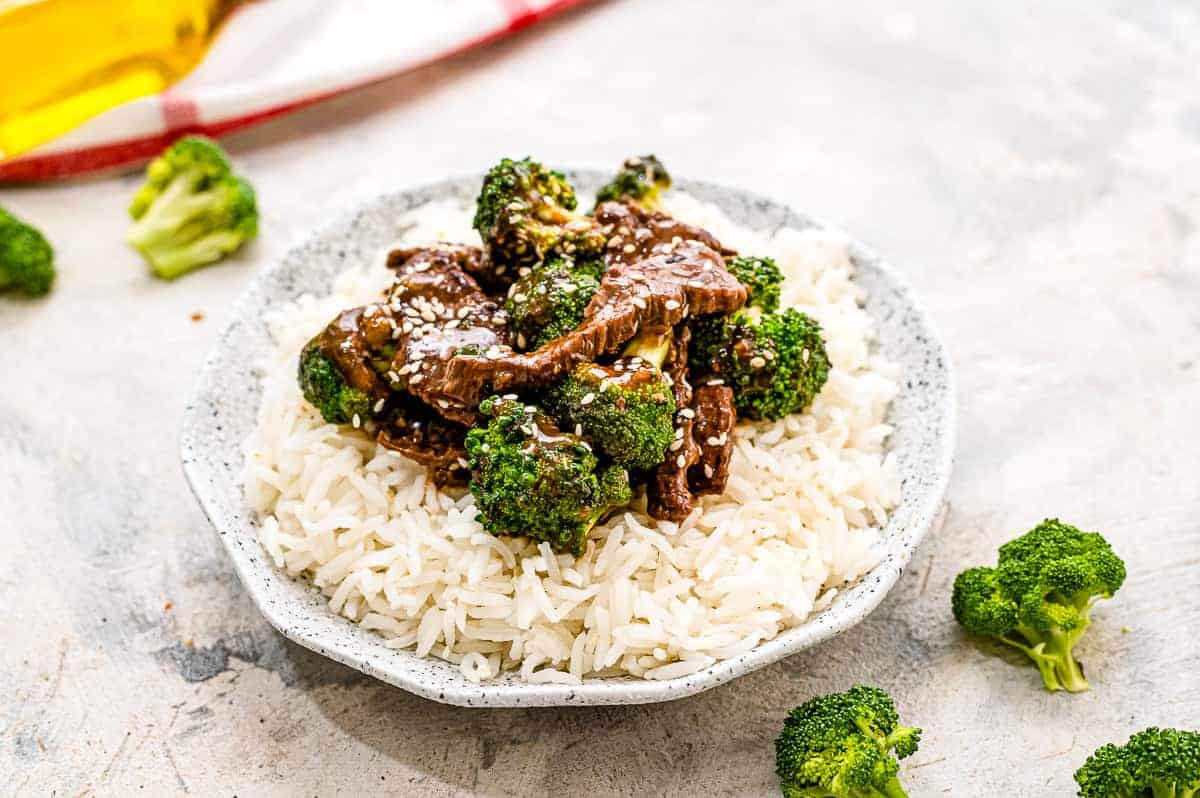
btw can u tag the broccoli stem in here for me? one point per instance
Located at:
(893, 789)
(1051, 652)
(651, 346)
(169, 261)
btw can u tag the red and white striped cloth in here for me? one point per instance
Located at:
(275, 57)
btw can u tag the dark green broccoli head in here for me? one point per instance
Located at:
(709, 339)
(1155, 763)
(326, 389)
(762, 279)
(627, 410)
(842, 746)
(531, 479)
(526, 212)
(1039, 596)
(641, 180)
(549, 300)
(192, 210)
(26, 257)
(776, 366)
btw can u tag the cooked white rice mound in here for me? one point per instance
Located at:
(806, 498)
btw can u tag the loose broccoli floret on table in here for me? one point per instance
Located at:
(1155, 763)
(842, 746)
(549, 301)
(26, 258)
(529, 478)
(1039, 596)
(192, 210)
(641, 180)
(627, 408)
(526, 213)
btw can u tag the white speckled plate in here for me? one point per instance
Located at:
(223, 411)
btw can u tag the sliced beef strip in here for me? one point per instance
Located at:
(352, 341)
(440, 313)
(669, 498)
(713, 431)
(420, 434)
(636, 233)
(660, 290)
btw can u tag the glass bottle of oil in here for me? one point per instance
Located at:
(64, 61)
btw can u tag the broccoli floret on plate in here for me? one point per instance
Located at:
(526, 213)
(326, 388)
(26, 258)
(776, 364)
(192, 210)
(531, 479)
(844, 745)
(641, 180)
(762, 279)
(1039, 596)
(1155, 763)
(549, 300)
(627, 408)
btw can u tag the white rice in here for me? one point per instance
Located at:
(806, 498)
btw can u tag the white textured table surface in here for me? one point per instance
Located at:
(1033, 168)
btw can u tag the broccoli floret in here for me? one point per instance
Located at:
(762, 279)
(776, 365)
(841, 745)
(1038, 597)
(326, 389)
(641, 180)
(526, 212)
(192, 210)
(627, 409)
(1155, 763)
(26, 258)
(531, 479)
(548, 302)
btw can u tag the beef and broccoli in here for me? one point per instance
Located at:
(572, 361)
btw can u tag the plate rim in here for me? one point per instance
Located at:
(818, 628)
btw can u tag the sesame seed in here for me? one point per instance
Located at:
(676, 240)
(521, 340)
(588, 398)
(462, 462)
(519, 298)
(671, 304)
(442, 403)
(757, 362)
(639, 302)
(804, 355)
(715, 381)
(680, 461)
(708, 471)
(614, 242)
(530, 410)
(485, 448)
(416, 378)
(629, 249)
(509, 396)
(687, 412)
(450, 325)
(356, 421)
(678, 432)
(712, 440)
(379, 405)
(676, 444)
(579, 429)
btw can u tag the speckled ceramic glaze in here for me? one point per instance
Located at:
(223, 411)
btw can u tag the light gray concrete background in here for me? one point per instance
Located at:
(1034, 168)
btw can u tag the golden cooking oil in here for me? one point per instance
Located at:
(65, 61)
